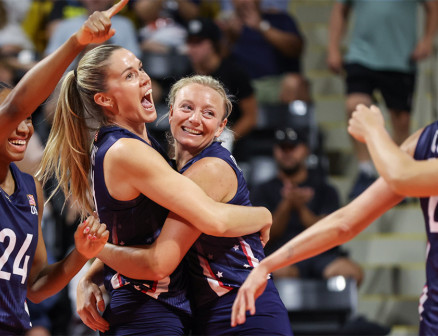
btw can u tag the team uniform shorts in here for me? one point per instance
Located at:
(397, 88)
(271, 317)
(131, 312)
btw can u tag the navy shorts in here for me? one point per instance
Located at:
(131, 312)
(271, 317)
(397, 88)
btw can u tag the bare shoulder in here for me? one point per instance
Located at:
(215, 177)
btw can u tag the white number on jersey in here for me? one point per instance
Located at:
(431, 208)
(7, 252)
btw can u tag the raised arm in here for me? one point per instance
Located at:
(396, 165)
(41, 80)
(335, 229)
(157, 261)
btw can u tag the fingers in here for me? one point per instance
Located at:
(116, 8)
(87, 310)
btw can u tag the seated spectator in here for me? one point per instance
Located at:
(298, 198)
(204, 52)
(268, 45)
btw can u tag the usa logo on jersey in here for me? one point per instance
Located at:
(32, 204)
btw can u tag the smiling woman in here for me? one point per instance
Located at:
(133, 182)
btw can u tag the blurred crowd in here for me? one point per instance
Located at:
(255, 48)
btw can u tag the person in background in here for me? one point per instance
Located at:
(382, 55)
(268, 45)
(298, 197)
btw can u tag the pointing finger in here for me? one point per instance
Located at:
(116, 8)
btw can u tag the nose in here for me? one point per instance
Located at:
(145, 79)
(195, 117)
(23, 128)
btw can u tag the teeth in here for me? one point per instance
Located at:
(191, 131)
(18, 142)
(148, 92)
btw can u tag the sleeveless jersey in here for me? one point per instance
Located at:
(135, 222)
(219, 264)
(427, 148)
(18, 241)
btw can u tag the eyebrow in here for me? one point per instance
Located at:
(140, 64)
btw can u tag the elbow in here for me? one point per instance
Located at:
(397, 181)
(35, 297)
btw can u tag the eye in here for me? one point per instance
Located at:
(208, 113)
(130, 75)
(186, 107)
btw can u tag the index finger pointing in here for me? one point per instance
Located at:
(116, 8)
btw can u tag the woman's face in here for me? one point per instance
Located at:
(129, 94)
(14, 147)
(196, 117)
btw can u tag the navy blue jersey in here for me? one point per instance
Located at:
(18, 241)
(219, 264)
(135, 222)
(427, 148)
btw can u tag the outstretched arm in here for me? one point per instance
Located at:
(160, 259)
(335, 229)
(396, 165)
(41, 80)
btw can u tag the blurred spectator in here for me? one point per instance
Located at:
(16, 49)
(126, 33)
(268, 45)
(12, 37)
(203, 49)
(162, 36)
(298, 197)
(382, 53)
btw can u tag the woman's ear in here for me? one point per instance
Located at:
(103, 100)
(221, 128)
(170, 112)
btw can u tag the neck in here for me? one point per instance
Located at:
(7, 182)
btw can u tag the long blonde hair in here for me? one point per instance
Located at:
(67, 153)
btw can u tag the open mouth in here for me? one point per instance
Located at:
(191, 131)
(146, 102)
(18, 144)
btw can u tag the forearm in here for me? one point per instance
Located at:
(336, 228)
(431, 26)
(243, 220)
(337, 25)
(280, 218)
(308, 218)
(137, 262)
(29, 92)
(287, 43)
(393, 164)
(55, 277)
